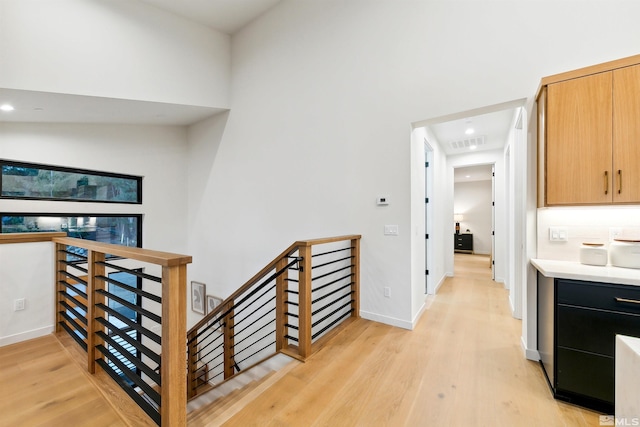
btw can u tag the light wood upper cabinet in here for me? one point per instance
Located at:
(626, 134)
(578, 151)
(589, 135)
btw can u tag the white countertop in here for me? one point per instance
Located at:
(591, 273)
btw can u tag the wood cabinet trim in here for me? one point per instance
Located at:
(585, 71)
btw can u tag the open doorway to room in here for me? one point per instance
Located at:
(493, 135)
(473, 207)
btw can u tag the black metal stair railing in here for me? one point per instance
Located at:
(131, 347)
(240, 334)
(72, 296)
(292, 303)
(128, 306)
(332, 289)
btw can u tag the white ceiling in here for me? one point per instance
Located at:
(227, 16)
(490, 132)
(47, 107)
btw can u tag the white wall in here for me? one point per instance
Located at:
(112, 48)
(323, 91)
(321, 95)
(439, 209)
(26, 271)
(473, 200)
(158, 153)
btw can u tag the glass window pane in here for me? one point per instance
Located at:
(29, 181)
(123, 230)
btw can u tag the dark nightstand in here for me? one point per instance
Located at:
(463, 243)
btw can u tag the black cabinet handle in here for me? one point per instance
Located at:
(632, 301)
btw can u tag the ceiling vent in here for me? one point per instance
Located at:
(466, 143)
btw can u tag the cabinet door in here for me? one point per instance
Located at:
(626, 134)
(579, 138)
(586, 374)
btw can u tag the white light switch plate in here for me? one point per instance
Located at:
(391, 230)
(558, 234)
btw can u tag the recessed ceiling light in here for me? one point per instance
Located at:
(473, 147)
(469, 131)
(6, 107)
(467, 176)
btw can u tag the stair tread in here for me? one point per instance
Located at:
(214, 409)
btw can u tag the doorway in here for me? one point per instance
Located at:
(474, 213)
(428, 215)
(476, 147)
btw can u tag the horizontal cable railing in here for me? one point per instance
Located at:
(287, 307)
(126, 307)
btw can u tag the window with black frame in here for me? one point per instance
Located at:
(118, 229)
(20, 180)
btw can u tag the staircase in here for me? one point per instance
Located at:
(284, 314)
(216, 406)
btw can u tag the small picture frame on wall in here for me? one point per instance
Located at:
(212, 303)
(198, 295)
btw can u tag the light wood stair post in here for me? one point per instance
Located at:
(59, 277)
(281, 305)
(304, 301)
(94, 298)
(355, 270)
(173, 408)
(192, 350)
(229, 359)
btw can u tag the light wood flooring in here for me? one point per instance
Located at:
(461, 366)
(40, 385)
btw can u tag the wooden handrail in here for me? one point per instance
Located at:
(276, 274)
(29, 237)
(165, 259)
(242, 289)
(324, 240)
(262, 273)
(173, 325)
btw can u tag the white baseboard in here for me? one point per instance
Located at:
(529, 353)
(441, 282)
(24, 336)
(387, 320)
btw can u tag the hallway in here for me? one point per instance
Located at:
(461, 366)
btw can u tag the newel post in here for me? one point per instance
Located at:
(94, 298)
(304, 301)
(60, 256)
(173, 407)
(355, 271)
(227, 330)
(281, 305)
(192, 370)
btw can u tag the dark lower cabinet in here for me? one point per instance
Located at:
(577, 325)
(463, 243)
(584, 375)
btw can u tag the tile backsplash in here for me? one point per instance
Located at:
(594, 224)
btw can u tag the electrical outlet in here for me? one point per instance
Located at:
(387, 292)
(18, 304)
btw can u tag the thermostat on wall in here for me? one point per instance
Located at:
(382, 200)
